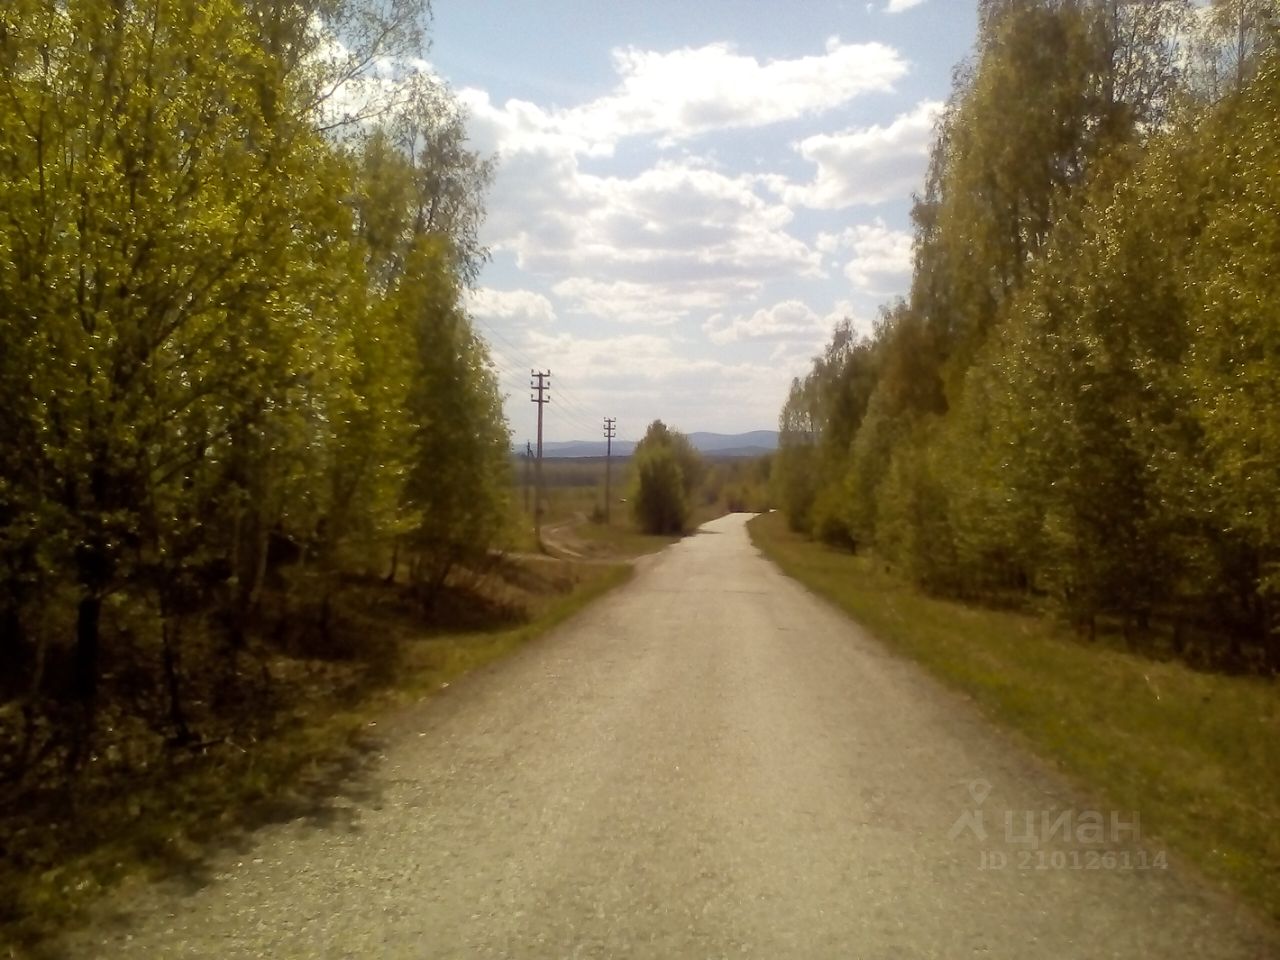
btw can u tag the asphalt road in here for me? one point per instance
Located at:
(708, 763)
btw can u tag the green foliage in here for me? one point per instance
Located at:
(667, 473)
(693, 469)
(233, 357)
(795, 475)
(1233, 368)
(659, 500)
(459, 472)
(739, 485)
(1229, 43)
(1077, 404)
(829, 521)
(913, 514)
(817, 426)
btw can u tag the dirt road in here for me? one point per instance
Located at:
(708, 763)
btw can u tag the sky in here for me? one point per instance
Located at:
(690, 195)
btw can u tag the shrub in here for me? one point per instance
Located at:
(659, 501)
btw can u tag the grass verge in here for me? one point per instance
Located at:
(169, 820)
(617, 539)
(1198, 754)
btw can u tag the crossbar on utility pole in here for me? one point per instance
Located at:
(610, 431)
(540, 384)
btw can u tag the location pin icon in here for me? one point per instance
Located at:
(979, 790)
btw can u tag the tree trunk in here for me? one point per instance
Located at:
(85, 670)
(171, 636)
(395, 561)
(84, 677)
(15, 654)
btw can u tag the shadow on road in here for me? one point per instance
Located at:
(328, 796)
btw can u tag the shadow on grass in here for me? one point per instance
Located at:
(291, 744)
(184, 832)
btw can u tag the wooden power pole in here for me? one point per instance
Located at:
(540, 384)
(610, 431)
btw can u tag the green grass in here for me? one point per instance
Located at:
(447, 657)
(572, 508)
(621, 539)
(168, 824)
(563, 504)
(1197, 754)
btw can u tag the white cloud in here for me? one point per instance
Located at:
(642, 377)
(788, 320)
(863, 323)
(865, 166)
(522, 307)
(682, 222)
(897, 6)
(654, 304)
(675, 238)
(650, 291)
(682, 238)
(681, 93)
(880, 255)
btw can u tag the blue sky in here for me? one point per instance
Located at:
(689, 195)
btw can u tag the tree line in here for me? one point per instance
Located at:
(1078, 403)
(235, 364)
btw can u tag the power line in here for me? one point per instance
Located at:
(518, 354)
(565, 417)
(574, 404)
(584, 417)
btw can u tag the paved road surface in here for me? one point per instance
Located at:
(709, 763)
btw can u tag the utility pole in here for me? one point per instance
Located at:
(540, 384)
(610, 431)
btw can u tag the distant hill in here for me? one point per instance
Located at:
(587, 448)
(750, 444)
(731, 453)
(754, 443)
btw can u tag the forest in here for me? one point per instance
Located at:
(236, 373)
(1077, 406)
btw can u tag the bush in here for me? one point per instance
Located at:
(659, 500)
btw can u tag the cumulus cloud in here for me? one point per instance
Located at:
(682, 238)
(654, 247)
(519, 307)
(654, 304)
(788, 320)
(880, 255)
(584, 360)
(682, 222)
(651, 247)
(868, 165)
(682, 93)
(897, 6)
(649, 287)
